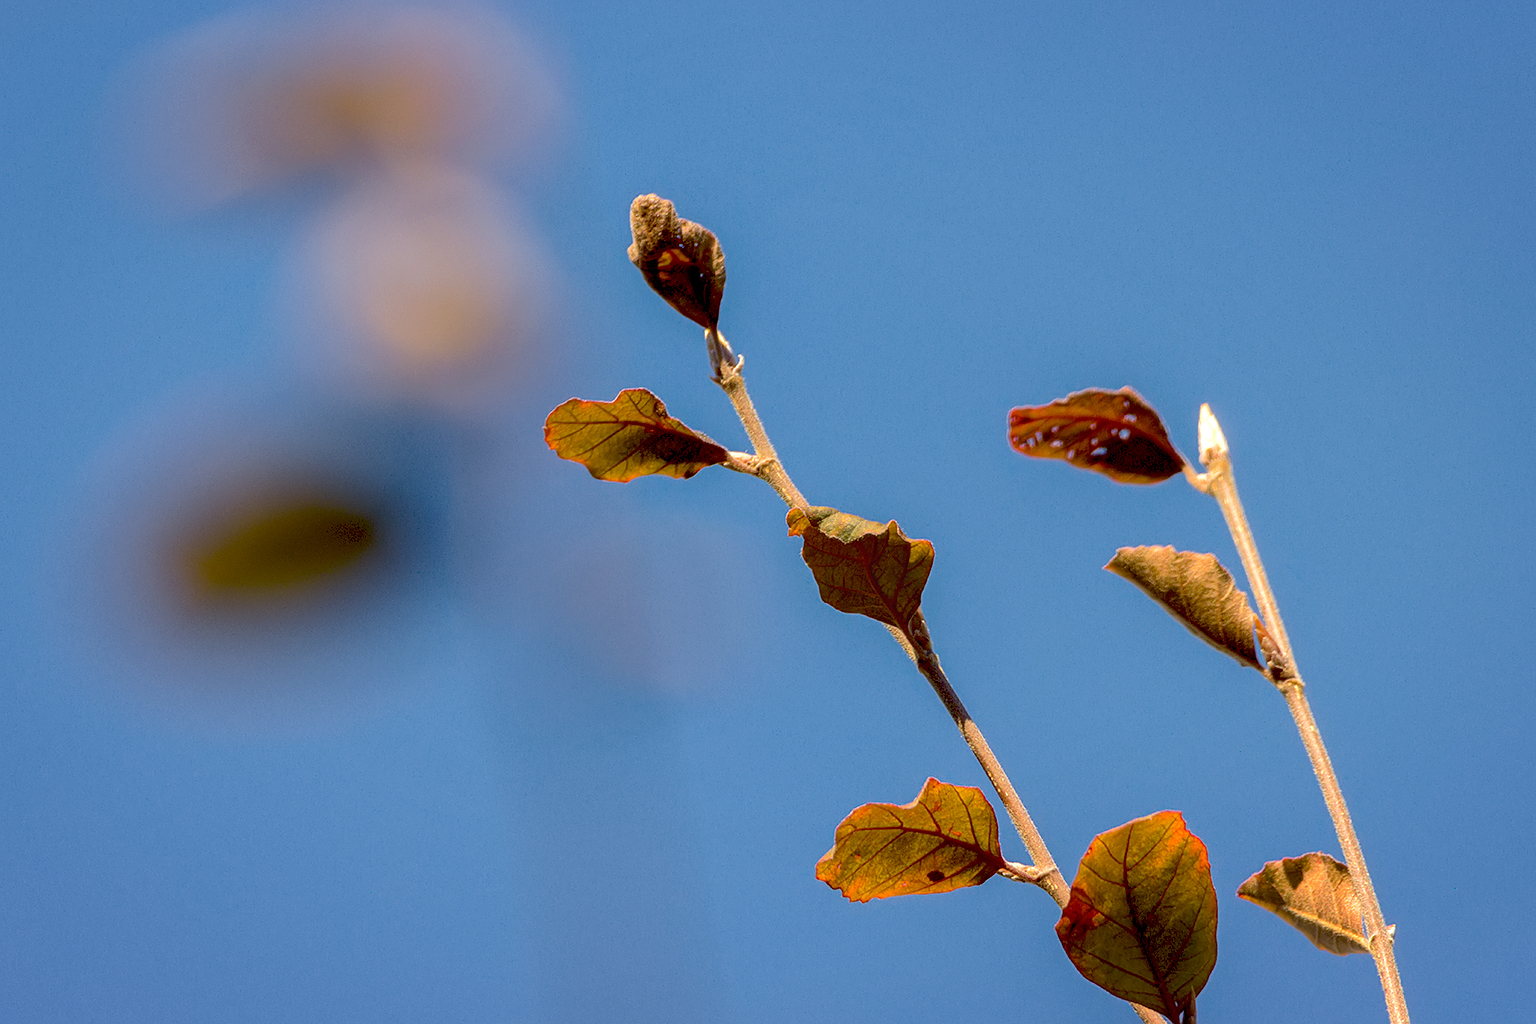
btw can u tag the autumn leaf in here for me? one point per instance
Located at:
(861, 567)
(680, 260)
(1198, 591)
(1141, 921)
(628, 437)
(946, 839)
(1111, 432)
(1315, 895)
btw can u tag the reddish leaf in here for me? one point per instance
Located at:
(628, 437)
(1197, 590)
(1315, 895)
(1111, 432)
(861, 567)
(946, 839)
(680, 260)
(1141, 922)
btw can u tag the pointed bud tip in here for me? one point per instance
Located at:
(1213, 443)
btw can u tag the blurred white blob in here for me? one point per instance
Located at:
(250, 100)
(252, 557)
(417, 285)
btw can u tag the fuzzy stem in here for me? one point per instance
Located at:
(919, 647)
(1050, 879)
(1221, 485)
(1044, 871)
(768, 465)
(916, 643)
(1381, 936)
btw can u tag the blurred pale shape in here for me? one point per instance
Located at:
(250, 100)
(421, 276)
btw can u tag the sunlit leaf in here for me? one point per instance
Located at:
(946, 839)
(1198, 591)
(280, 550)
(628, 437)
(1141, 921)
(1111, 432)
(861, 567)
(680, 260)
(1314, 894)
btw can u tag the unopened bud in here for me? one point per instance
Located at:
(680, 260)
(1213, 443)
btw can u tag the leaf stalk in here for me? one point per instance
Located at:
(1220, 484)
(1026, 873)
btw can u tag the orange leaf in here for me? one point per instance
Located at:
(946, 839)
(1141, 922)
(1111, 432)
(1315, 895)
(628, 437)
(861, 567)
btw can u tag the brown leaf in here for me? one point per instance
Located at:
(1196, 590)
(946, 839)
(680, 260)
(1315, 895)
(1141, 921)
(861, 567)
(628, 437)
(1111, 432)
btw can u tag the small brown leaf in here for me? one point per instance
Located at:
(1111, 432)
(680, 260)
(861, 567)
(1315, 895)
(946, 839)
(628, 437)
(1196, 590)
(1141, 921)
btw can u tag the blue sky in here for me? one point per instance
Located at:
(449, 796)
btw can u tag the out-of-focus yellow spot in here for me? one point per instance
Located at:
(373, 103)
(279, 553)
(429, 291)
(246, 101)
(425, 277)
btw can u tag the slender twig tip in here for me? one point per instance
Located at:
(1213, 443)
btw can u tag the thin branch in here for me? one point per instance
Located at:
(917, 644)
(1220, 484)
(1381, 936)
(768, 466)
(1051, 879)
